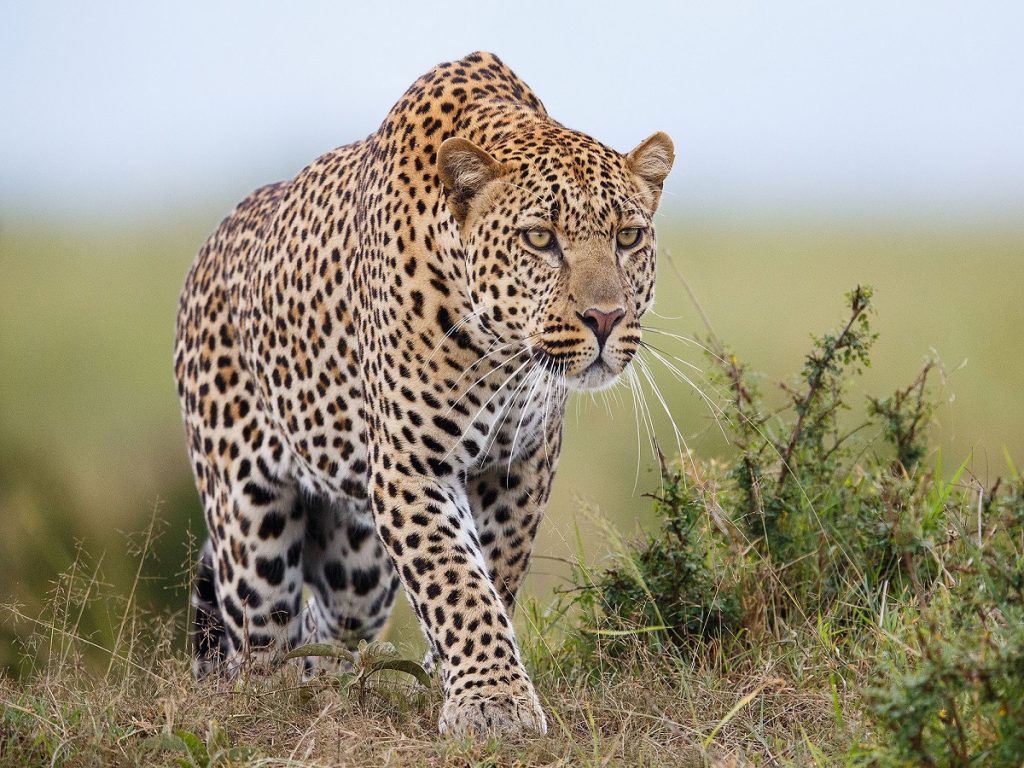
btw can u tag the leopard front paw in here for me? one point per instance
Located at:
(493, 712)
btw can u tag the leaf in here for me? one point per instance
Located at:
(378, 649)
(322, 649)
(240, 754)
(407, 666)
(344, 679)
(169, 742)
(195, 747)
(216, 739)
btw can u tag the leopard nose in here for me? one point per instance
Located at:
(602, 323)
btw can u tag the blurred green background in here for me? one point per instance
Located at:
(818, 147)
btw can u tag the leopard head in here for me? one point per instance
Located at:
(558, 240)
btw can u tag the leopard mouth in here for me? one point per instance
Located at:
(597, 375)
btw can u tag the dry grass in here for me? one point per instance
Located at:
(140, 706)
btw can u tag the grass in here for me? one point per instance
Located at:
(144, 708)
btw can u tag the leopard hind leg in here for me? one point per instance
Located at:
(350, 575)
(208, 639)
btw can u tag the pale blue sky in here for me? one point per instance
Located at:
(131, 108)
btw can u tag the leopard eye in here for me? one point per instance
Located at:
(539, 239)
(629, 237)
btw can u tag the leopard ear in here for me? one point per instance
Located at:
(651, 161)
(465, 169)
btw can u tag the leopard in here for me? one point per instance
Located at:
(373, 361)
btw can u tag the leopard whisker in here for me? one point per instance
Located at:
(615, 391)
(487, 354)
(505, 410)
(645, 371)
(461, 323)
(551, 384)
(716, 410)
(630, 379)
(526, 347)
(660, 316)
(500, 366)
(680, 439)
(541, 375)
(648, 421)
(681, 361)
(645, 414)
(685, 340)
(487, 402)
(665, 357)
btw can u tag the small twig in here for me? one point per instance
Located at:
(859, 305)
(981, 501)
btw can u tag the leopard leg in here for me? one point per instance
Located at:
(351, 576)
(257, 530)
(242, 471)
(428, 528)
(508, 501)
(207, 636)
